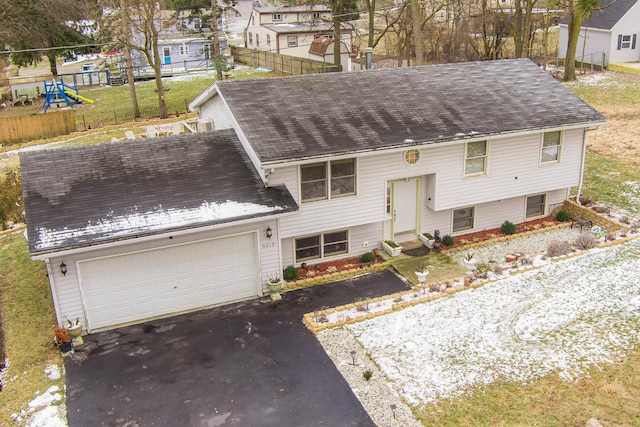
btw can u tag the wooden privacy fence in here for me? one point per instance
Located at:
(280, 63)
(27, 128)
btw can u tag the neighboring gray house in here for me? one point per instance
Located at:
(611, 34)
(330, 165)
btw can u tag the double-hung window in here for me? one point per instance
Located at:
(535, 205)
(475, 158)
(326, 180)
(276, 17)
(321, 245)
(292, 41)
(551, 144)
(627, 41)
(463, 219)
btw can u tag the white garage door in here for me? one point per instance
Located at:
(141, 285)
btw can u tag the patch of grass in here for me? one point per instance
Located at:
(28, 321)
(605, 180)
(611, 394)
(439, 265)
(619, 95)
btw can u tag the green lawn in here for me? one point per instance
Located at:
(28, 321)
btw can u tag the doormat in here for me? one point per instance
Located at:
(419, 251)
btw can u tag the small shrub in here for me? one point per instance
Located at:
(557, 248)
(563, 216)
(367, 258)
(508, 228)
(601, 209)
(434, 287)
(482, 269)
(526, 261)
(290, 273)
(367, 374)
(624, 219)
(498, 270)
(447, 240)
(585, 241)
(586, 200)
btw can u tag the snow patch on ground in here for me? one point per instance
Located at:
(564, 317)
(52, 372)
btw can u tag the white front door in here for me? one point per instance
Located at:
(404, 206)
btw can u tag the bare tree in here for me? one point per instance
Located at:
(146, 21)
(126, 34)
(577, 12)
(522, 27)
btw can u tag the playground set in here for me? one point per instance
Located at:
(57, 93)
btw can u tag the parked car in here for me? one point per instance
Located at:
(87, 68)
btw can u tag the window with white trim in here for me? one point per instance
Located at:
(257, 39)
(536, 205)
(184, 50)
(627, 41)
(250, 38)
(321, 245)
(551, 144)
(463, 219)
(475, 158)
(316, 15)
(319, 181)
(276, 17)
(268, 39)
(292, 41)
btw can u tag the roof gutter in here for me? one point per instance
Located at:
(179, 232)
(409, 144)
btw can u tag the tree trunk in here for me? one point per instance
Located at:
(215, 39)
(575, 24)
(129, 63)
(337, 33)
(53, 66)
(157, 71)
(416, 17)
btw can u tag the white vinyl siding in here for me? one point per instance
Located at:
(551, 147)
(476, 154)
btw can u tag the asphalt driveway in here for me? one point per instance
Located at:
(248, 364)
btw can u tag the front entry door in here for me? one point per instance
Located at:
(404, 207)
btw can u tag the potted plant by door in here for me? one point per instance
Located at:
(63, 340)
(391, 247)
(426, 239)
(469, 261)
(275, 285)
(421, 273)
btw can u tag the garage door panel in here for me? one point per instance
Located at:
(137, 286)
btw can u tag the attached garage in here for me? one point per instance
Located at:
(142, 285)
(150, 228)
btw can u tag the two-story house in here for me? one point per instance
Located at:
(292, 30)
(609, 35)
(300, 169)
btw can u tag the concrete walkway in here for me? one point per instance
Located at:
(247, 364)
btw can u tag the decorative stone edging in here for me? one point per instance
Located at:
(309, 319)
(13, 230)
(600, 220)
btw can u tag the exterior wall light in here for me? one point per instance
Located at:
(63, 268)
(269, 232)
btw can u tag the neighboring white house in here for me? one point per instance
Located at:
(299, 169)
(611, 34)
(293, 30)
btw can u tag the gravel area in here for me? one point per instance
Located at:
(529, 246)
(556, 318)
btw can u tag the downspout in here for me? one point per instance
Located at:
(584, 155)
(54, 296)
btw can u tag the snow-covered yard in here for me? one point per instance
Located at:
(564, 317)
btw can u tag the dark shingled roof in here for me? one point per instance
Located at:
(298, 117)
(86, 195)
(608, 16)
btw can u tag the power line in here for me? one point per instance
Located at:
(53, 48)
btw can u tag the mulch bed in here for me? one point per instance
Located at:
(484, 235)
(333, 266)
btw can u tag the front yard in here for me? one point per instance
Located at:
(559, 325)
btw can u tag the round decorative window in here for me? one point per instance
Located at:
(412, 157)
